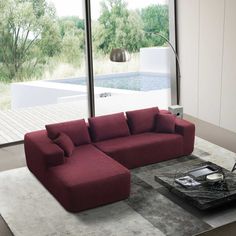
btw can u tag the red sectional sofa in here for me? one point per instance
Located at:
(87, 165)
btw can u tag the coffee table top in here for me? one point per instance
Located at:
(204, 196)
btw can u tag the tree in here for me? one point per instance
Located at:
(130, 34)
(155, 20)
(72, 33)
(77, 22)
(29, 34)
(118, 27)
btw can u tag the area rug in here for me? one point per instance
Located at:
(29, 209)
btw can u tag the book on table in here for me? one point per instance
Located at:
(187, 181)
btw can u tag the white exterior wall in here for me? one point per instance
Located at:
(207, 50)
(155, 59)
(37, 93)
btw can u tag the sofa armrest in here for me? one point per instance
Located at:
(41, 153)
(187, 130)
(165, 112)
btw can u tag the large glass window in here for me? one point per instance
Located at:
(43, 75)
(41, 55)
(143, 81)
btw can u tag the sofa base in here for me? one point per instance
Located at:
(88, 180)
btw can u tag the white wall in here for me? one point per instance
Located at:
(38, 93)
(207, 50)
(228, 89)
(155, 59)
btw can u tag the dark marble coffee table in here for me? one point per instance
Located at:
(206, 195)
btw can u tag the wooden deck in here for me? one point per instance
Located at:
(15, 123)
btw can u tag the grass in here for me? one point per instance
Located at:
(63, 70)
(101, 65)
(5, 96)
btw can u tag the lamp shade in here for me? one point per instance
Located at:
(119, 55)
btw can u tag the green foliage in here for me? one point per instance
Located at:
(76, 21)
(26, 40)
(50, 42)
(31, 35)
(117, 26)
(71, 49)
(131, 36)
(72, 33)
(155, 20)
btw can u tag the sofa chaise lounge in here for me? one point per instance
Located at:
(85, 165)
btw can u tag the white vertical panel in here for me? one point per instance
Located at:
(228, 98)
(210, 59)
(188, 39)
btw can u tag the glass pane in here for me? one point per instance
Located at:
(41, 55)
(143, 81)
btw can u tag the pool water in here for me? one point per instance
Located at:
(129, 81)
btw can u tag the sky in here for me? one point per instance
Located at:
(75, 7)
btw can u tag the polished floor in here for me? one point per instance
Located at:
(10, 158)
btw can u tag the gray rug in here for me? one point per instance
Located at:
(29, 209)
(164, 214)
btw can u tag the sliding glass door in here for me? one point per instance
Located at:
(144, 80)
(44, 68)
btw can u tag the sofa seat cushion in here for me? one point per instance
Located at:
(142, 120)
(77, 130)
(143, 149)
(108, 126)
(89, 178)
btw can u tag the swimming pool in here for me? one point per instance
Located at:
(129, 81)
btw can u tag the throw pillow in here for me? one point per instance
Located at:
(65, 143)
(142, 120)
(165, 123)
(108, 126)
(77, 130)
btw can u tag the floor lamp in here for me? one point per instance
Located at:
(122, 55)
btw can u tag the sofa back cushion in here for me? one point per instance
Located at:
(108, 126)
(77, 131)
(165, 123)
(65, 143)
(142, 120)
